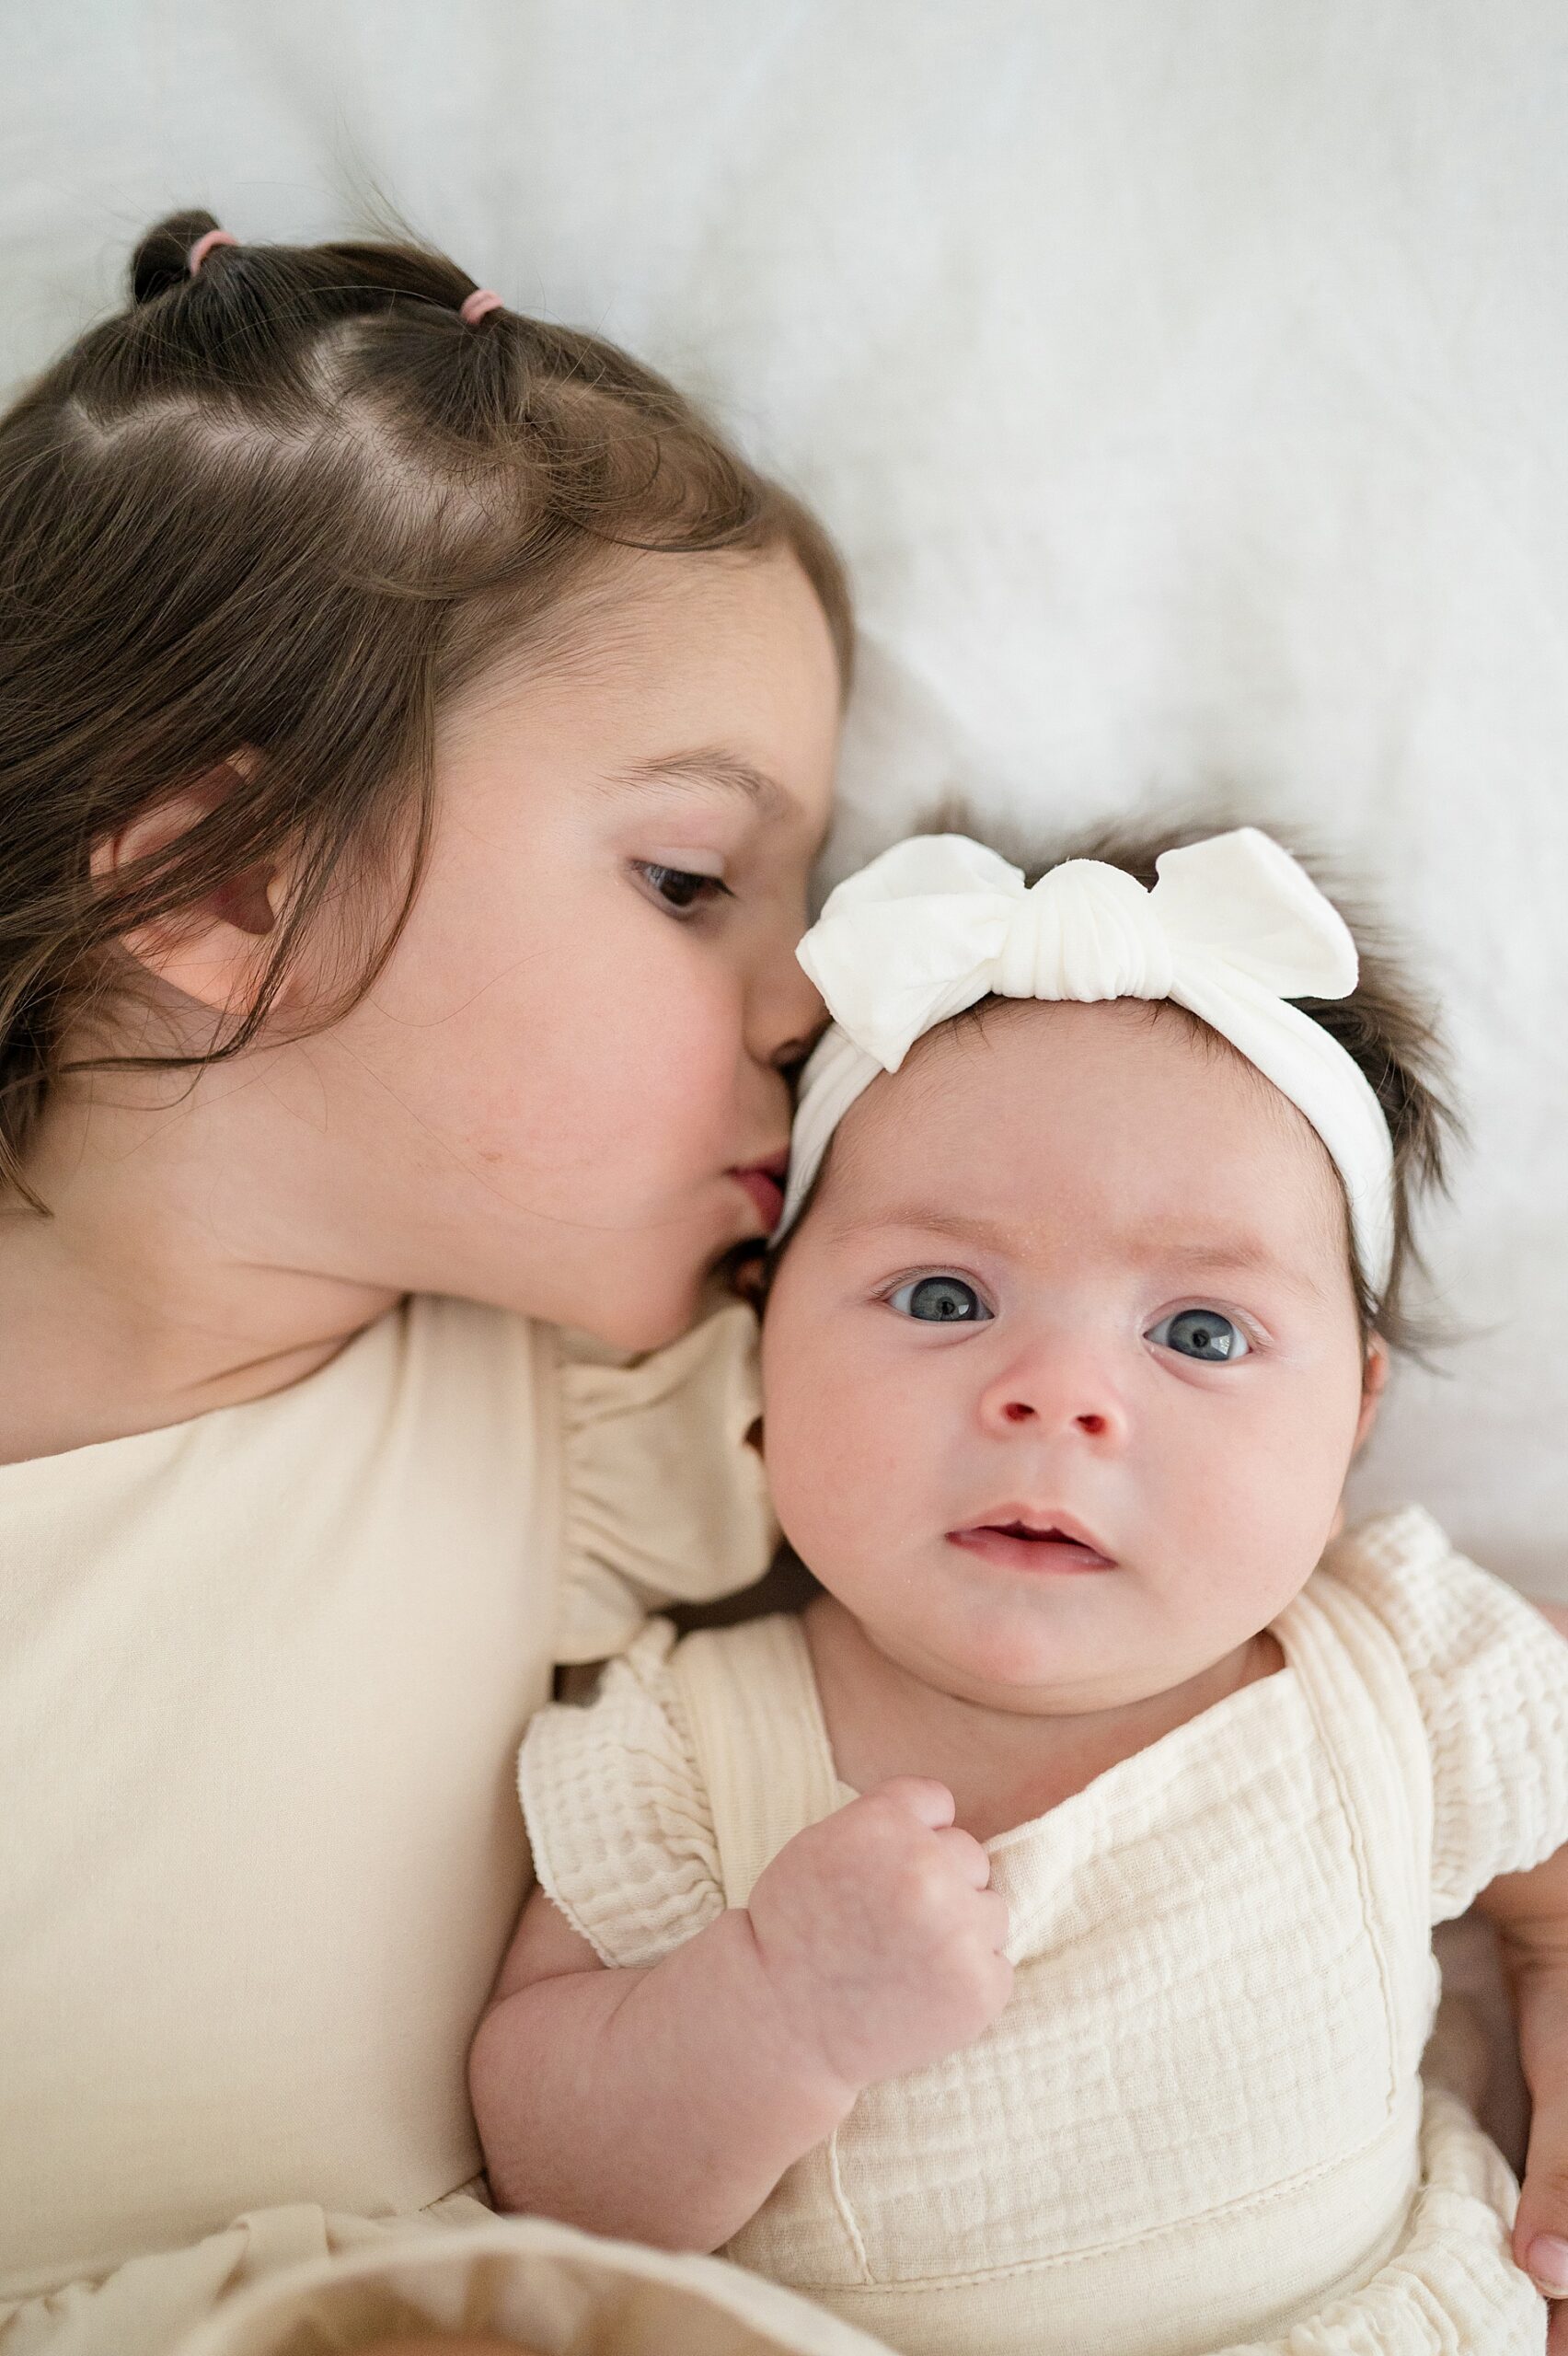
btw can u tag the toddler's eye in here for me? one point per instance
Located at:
(680, 888)
(939, 1300)
(1200, 1333)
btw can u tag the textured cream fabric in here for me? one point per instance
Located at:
(262, 1677)
(1200, 2121)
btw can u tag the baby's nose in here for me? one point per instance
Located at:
(1022, 1411)
(1051, 1389)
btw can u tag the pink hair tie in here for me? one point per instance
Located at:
(204, 245)
(478, 305)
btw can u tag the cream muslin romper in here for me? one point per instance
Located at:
(262, 1678)
(1199, 2123)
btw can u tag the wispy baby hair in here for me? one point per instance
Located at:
(289, 501)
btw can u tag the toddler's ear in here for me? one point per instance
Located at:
(214, 952)
(1374, 1378)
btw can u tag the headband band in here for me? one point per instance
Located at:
(1233, 929)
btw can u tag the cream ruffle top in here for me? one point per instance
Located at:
(262, 1678)
(1199, 2123)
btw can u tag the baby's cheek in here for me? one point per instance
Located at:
(1306, 1469)
(808, 1472)
(822, 1449)
(1257, 1524)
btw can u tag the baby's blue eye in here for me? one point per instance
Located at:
(1200, 1333)
(940, 1301)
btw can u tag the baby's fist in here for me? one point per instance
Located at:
(880, 1935)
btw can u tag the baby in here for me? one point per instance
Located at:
(1027, 1947)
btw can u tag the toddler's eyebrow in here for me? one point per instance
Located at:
(708, 768)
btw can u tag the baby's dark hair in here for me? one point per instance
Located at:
(1386, 1025)
(288, 504)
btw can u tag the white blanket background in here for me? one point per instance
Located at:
(1183, 378)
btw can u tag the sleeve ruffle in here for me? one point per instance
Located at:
(664, 1498)
(1490, 1680)
(543, 2288)
(617, 1818)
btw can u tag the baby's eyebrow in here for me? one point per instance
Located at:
(1220, 1251)
(995, 1234)
(708, 768)
(1220, 1254)
(1228, 1255)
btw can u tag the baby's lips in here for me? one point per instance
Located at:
(1038, 1522)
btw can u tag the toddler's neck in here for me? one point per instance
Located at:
(1004, 1767)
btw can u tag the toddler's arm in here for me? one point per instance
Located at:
(663, 2105)
(1531, 1914)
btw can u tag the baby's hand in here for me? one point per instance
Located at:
(880, 1935)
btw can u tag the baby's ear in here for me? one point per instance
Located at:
(1374, 1379)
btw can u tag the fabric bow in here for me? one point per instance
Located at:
(1233, 929)
(939, 922)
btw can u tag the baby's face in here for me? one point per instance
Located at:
(1074, 1268)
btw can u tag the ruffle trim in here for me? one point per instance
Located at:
(664, 1498)
(1490, 1678)
(545, 2288)
(618, 1821)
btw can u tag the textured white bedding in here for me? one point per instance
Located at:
(1184, 379)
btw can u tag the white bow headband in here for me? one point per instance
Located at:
(1232, 931)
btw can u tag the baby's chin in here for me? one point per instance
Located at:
(1083, 1646)
(1020, 1672)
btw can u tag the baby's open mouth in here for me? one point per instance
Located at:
(1032, 1546)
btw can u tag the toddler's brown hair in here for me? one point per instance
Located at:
(290, 500)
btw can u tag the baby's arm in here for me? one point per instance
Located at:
(663, 2105)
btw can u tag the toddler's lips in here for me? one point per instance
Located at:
(764, 1182)
(1018, 1545)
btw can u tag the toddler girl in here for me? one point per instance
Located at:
(416, 731)
(1027, 1949)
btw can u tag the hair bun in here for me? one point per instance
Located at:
(163, 257)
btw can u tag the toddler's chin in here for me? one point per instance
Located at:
(655, 1306)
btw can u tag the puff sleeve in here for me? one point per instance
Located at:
(1490, 1677)
(664, 1498)
(617, 1818)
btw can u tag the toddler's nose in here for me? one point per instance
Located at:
(784, 1015)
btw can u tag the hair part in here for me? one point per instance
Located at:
(291, 506)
